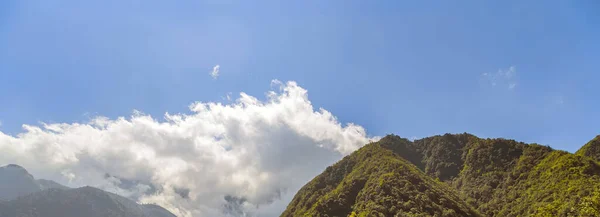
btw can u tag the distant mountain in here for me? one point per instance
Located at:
(85, 201)
(152, 210)
(23, 196)
(15, 181)
(499, 177)
(47, 184)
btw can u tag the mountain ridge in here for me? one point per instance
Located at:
(347, 187)
(24, 196)
(591, 149)
(501, 177)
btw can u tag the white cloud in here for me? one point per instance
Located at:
(227, 96)
(503, 77)
(559, 99)
(215, 72)
(249, 156)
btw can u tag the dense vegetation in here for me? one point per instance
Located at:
(591, 149)
(374, 181)
(498, 177)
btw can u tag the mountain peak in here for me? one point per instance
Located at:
(591, 149)
(22, 195)
(376, 181)
(15, 181)
(14, 167)
(456, 173)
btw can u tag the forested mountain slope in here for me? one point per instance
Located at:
(499, 177)
(374, 181)
(591, 149)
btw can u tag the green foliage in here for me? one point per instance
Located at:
(452, 173)
(442, 155)
(591, 149)
(557, 186)
(374, 181)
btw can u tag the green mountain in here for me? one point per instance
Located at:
(497, 177)
(375, 181)
(591, 149)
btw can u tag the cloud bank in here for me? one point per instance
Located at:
(246, 158)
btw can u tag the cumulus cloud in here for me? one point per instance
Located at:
(215, 72)
(245, 158)
(503, 77)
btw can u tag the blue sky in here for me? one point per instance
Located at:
(410, 68)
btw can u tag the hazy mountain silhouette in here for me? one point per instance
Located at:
(23, 196)
(16, 181)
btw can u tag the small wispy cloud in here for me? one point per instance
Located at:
(503, 77)
(215, 72)
(227, 97)
(276, 84)
(559, 100)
